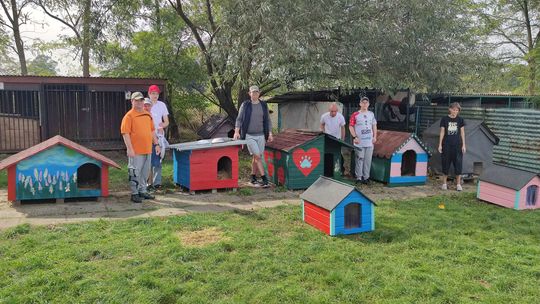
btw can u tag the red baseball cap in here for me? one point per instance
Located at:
(153, 88)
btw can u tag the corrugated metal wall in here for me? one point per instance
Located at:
(517, 129)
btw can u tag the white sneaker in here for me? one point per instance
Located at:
(444, 187)
(459, 188)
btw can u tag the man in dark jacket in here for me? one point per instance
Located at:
(253, 124)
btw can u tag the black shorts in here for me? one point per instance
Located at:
(452, 155)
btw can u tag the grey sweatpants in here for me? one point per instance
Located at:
(362, 162)
(138, 170)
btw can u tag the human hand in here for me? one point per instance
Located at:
(130, 153)
(158, 150)
(439, 149)
(463, 149)
(374, 140)
(236, 135)
(356, 141)
(270, 138)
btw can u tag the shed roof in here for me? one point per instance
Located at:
(328, 193)
(507, 177)
(470, 126)
(292, 138)
(53, 141)
(212, 124)
(389, 142)
(79, 80)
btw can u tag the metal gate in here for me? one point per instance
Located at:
(19, 120)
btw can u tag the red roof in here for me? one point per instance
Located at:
(13, 159)
(389, 142)
(291, 138)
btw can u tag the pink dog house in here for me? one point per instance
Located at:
(509, 187)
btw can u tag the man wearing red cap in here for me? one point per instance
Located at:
(160, 116)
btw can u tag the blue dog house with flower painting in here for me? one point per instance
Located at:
(56, 169)
(337, 208)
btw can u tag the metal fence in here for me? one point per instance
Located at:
(517, 129)
(19, 120)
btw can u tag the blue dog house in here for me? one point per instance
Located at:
(337, 208)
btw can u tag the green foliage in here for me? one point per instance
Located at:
(468, 252)
(42, 65)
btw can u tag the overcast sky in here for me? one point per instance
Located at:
(47, 30)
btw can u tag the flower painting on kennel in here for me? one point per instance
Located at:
(56, 169)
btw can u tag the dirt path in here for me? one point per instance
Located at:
(118, 206)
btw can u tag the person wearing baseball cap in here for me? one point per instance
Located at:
(137, 130)
(253, 124)
(160, 115)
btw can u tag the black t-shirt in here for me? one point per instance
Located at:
(452, 130)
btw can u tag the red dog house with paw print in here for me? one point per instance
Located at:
(296, 158)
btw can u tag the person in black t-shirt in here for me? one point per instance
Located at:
(452, 144)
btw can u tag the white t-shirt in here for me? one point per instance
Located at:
(332, 125)
(159, 109)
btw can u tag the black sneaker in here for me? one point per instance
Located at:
(359, 181)
(254, 181)
(264, 182)
(366, 181)
(136, 198)
(146, 195)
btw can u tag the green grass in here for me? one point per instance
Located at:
(469, 252)
(3, 179)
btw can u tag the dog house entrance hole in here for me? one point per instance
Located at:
(329, 165)
(89, 177)
(224, 168)
(353, 216)
(408, 163)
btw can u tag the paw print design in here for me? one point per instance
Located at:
(305, 162)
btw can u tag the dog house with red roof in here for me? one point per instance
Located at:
(296, 158)
(56, 169)
(399, 159)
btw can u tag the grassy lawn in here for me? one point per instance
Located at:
(468, 252)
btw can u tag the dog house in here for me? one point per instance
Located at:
(206, 164)
(399, 159)
(56, 169)
(509, 187)
(479, 139)
(296, 158)
(337, 208)
(218, 125)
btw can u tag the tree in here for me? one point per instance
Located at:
(91, 22)
(16, 16)
(414, 44)
(42, 65)
(515, 25)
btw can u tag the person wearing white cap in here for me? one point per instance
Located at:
(137, 130)
(253, 124)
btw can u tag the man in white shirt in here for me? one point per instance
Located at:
(160, 116)
(333, 122)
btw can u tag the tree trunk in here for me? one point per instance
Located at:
(224, 96)
(85, 49)
(19, 45)
(531, 62)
